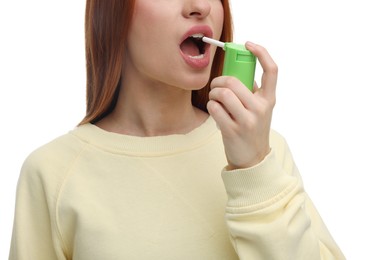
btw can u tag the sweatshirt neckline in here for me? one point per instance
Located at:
(146, 146)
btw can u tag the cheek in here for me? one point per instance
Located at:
(219, 18)
(145, 21)
(148, 27)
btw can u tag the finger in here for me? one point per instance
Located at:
(270, 75)
(245, 96)
(230, 102)
(220, 116)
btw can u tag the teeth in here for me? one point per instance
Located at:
(197, 35)
(197, 57)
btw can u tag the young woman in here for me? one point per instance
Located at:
(168, 147)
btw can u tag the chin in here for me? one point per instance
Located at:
(190, 80)
(197, 84)
(197, 80)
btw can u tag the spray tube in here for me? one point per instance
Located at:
(238, 61)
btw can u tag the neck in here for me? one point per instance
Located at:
(153, 110)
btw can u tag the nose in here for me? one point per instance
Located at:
(196, 9)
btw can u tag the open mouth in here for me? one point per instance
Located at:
(193, 46)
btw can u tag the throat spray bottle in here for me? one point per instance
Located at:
(238, 61)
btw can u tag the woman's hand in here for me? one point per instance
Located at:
(243, 117)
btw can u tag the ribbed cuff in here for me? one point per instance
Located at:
(257, 187)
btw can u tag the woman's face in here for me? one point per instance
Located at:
(161, 48)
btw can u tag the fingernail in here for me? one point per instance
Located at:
(250, 44)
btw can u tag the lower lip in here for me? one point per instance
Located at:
(197, 63)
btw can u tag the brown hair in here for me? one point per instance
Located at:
(106, 29)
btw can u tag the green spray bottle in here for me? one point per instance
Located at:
(238, 61)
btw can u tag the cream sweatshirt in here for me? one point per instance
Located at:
(92, 194)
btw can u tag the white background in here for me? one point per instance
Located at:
(319, 46)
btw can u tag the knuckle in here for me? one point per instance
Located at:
(273, 68)
(251, 125)
(212, 107)
(225, 93)
(230, 81)
(273, 102)
(247, 124)
(262, 111)
(265, 107)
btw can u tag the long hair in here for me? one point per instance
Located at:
(106, 30)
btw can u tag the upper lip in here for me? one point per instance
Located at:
(199, 29)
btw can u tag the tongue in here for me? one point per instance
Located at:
(188, 47)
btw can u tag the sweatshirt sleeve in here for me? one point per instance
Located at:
(270, 216)
(34, 235)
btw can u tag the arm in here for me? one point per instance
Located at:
(32, 230)
(268, 213)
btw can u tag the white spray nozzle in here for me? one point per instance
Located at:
(213, 42)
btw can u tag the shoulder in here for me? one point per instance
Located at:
(52, 160)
